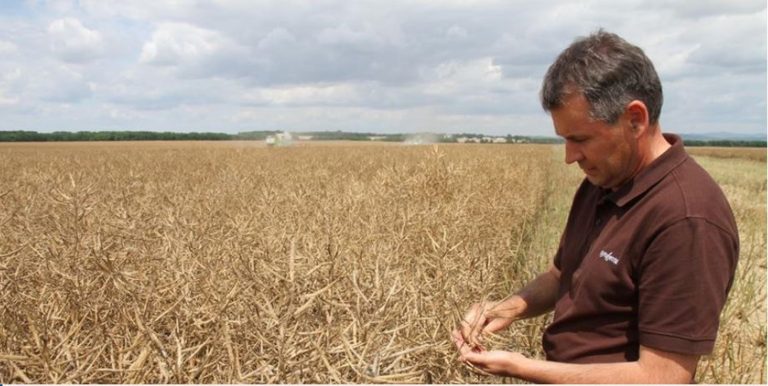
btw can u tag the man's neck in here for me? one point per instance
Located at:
(658, 144)
(650, 148)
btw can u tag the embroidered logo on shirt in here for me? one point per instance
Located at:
(608, 256)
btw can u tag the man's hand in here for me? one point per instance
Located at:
(494, 362)
(534, 299)
(482, 318)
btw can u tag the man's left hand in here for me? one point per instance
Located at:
(496, 362)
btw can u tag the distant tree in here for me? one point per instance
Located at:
(724, 143)
(32, 136)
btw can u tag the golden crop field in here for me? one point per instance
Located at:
(201, 262)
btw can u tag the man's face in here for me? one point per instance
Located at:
(608, 154)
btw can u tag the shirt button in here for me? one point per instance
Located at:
(598, 222)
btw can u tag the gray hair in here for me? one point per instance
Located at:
(609, 72)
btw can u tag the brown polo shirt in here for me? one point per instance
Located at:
(649, 264)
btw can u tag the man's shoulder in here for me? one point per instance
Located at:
(690, 192)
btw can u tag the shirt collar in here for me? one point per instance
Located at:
(652, 174)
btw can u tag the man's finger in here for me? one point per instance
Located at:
(469, 326)
(462, 345)
(478, 324)
(458, 339)
(475, 321)
(470, 356)
(476, 358)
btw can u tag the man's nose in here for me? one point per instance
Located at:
(572, 153)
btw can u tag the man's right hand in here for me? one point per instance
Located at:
(534, 299)
(485, 317)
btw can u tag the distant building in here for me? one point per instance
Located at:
(376, 138)
(499, 140)
(305, 137)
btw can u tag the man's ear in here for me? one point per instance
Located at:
(636, 115)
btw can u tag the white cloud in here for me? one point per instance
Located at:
(179, 43)
(310, 95)
(73, 42)
(336, 64)
(193, 52)
(61, 85)
(366, 33)
(6, 81)
(155, 10)
(7, 48)
(456, 32)
(147, 89)
(456, 77)
(739, 42)
(276, 39)
(708, 8)
(6, 100)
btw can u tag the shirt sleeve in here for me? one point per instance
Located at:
(684, 279)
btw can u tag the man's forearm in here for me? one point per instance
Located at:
(539, 371)
(654, 366)
(536, 298)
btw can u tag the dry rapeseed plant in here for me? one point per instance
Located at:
(201, 263)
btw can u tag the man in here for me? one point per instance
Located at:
(650, 247)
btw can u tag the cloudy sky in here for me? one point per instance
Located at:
(377, 66)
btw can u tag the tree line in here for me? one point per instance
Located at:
(33, 136)
(724, 143)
